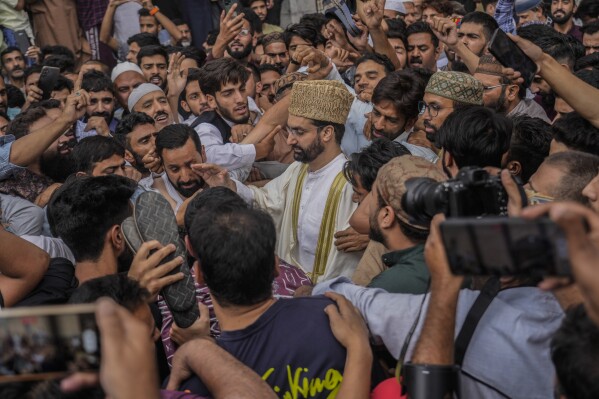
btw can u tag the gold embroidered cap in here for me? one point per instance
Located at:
(322, 100)
(391, 182)
(456, 86)
(275, 37)
(286, 82)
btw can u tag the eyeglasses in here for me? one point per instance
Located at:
(487, 88)
(433, 109)
(244, 32)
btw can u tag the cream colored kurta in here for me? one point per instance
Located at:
(276, 198)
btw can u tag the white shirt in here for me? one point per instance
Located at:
(54, 247)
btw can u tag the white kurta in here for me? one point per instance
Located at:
(277, 196)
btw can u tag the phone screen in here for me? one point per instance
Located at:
(22, 41)
(505, 247)
(512, 56)
(47, 81)
(48, 342)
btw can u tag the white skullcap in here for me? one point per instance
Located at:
(139, 92)
(395, 5)
(125, 67)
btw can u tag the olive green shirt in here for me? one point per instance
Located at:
(407, 272)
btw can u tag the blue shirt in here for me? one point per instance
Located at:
(6, 168)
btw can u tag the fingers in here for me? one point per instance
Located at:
(209, 168)
(343, 304)
(79, 381)
(79, 81)
(110, 326)
(146, 247)
(163, 270)
(273, 133)
(160, 254)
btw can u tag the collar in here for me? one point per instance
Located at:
(398, 257)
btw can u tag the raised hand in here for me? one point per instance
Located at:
(175, 79)
(446, 30)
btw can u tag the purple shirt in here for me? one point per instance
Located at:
(91, 12)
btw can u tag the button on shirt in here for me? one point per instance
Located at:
(313, 202)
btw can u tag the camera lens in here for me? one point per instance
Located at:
(424, 198)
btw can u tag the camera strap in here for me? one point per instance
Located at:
(476, 312)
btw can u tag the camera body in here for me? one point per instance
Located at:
(474, 192)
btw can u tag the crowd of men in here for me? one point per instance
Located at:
(282, 159)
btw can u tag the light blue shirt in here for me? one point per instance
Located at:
(6, 168)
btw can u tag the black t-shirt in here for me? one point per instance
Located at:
(291, 347)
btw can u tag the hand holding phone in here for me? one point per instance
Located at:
(48, 78)
(511, 56)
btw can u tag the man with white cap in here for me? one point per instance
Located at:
(311, 200)
(126, 76)
(151, 100)
(393, 8)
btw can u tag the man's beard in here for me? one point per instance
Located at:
(238, 120)
(139, 163)
(20, 72)
(309, 154)
(187, 192)
(375, 233)
(57, 167)
(390, 136)
(499, 106)
(240, 55)
(432, 137)
(124, 260)
(561, 20)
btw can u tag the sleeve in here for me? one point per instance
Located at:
(6, 168)
(389, 316)
(22, 216)
(230, 155)
(504, 15)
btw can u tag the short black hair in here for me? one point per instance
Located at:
(422, 27)
(84, 209)
(487, 2)
(576, 133)
(8, 50)
(21, 124)
(179, 22)
(339, 128)
(94, 82)
(119, 287)
(306, 31)
(366, 163)
(442, 7)
(588, 9)
(216, 74)
(16, 98)
(475, 136)
(236, 252)
(590, 76)
(268, 67)
(143, 40)
(65, 64)
(128, 124)
(63, 83)
(396, 27)
(254, 20)
(149, 51)
(48, 104)
(254, 70)
(530, 143)
(144, 12)
(483, 19)
(175, 136)
(579, 169)
(219, 198)
(404, 89)
(196, 54)
(590, 29)
(91, 150)
(317, 20)
(574, 352)
(57, 50)
(37, 68)
(557, 46)
(588, 61)
(192, 76)
(380, 59)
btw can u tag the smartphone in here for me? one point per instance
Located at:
(22, 41)
(45, 342)
(511, 56)
(500, 246)
(48, 78)
(227, 4)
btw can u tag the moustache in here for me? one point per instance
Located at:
(160, 113)
(415, 60)
(17, 68)
(104, 115)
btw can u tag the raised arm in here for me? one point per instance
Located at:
(165, 21)
(22, 266)
(107, 24)
(447, 32)
(230, 26)
(372, 14)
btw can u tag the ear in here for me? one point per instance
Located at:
(515, 168)
(116, 237)
(512, 92)
(129, 157)
(258, 87)
(211, 101)
(189, 247)
(79, 174)
(386, 217)
(328, 134)
(185, 106)
(438, 51)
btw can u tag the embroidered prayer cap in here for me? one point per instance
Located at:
(271, 38)
(488, 65)
(391, 182)
(125, 67)
(139, 92)
(456, 86)
(322, 100)
(286, 82)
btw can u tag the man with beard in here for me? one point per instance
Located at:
(236, 35)
(125, 77)
(391, 226)
(179, 147)
(261, 9)
(423, 46)
(153, 61)
(99, 115)
(34, 152)
(311, 200)
(444, 93)
(562, 14)
(137, 133)
(151, 100)
(395, 110)
(502, 95)
(475, 31)
(99, 156)
(275, 51)
(223, 82)
(13, 67)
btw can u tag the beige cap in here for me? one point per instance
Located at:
(322, 100)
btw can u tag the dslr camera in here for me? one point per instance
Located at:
(474, 192)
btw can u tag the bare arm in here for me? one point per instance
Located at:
(371, 13)
(435, 345)
(165, 21)
(107, 25)
(447, 32)
(29, 148)
(22, 266)
(230, 26)
(217, 369)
